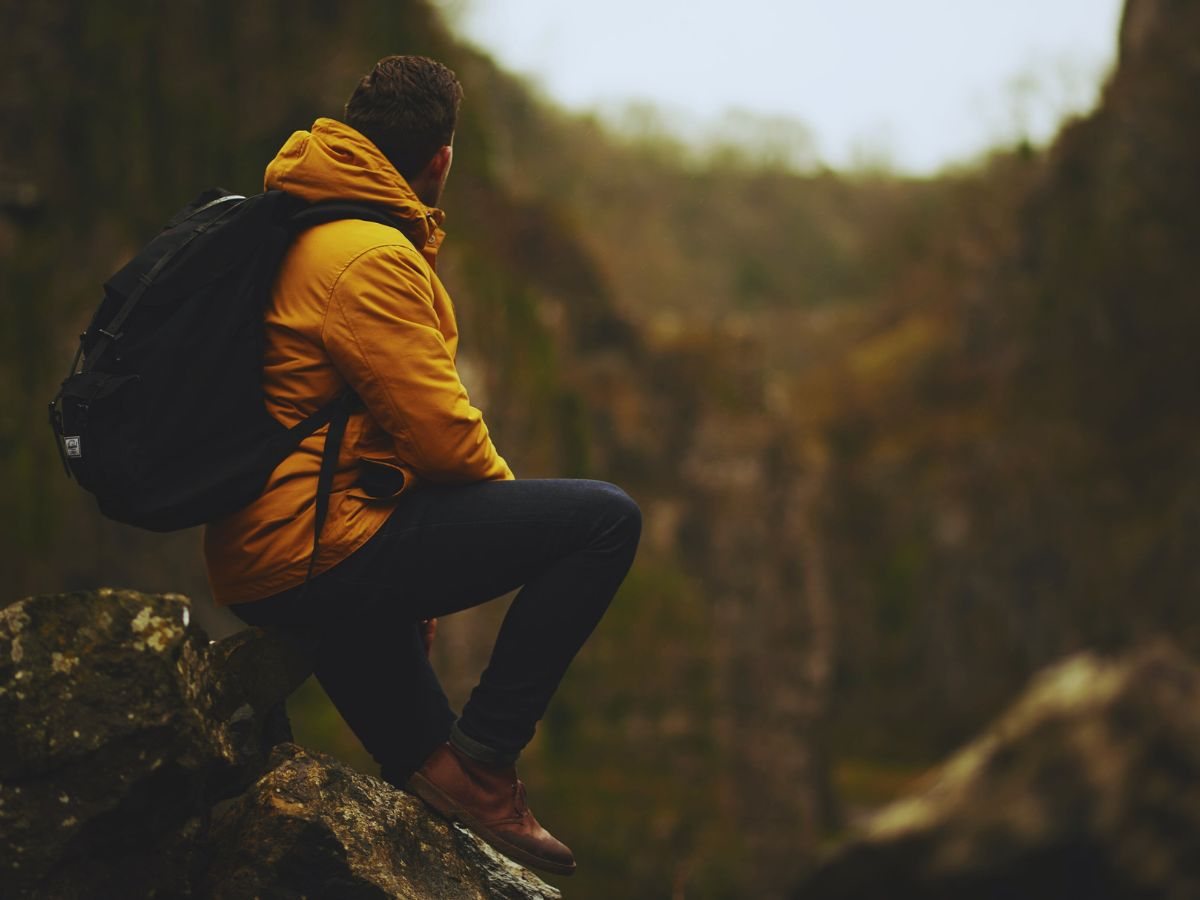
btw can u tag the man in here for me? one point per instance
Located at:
(425, 518)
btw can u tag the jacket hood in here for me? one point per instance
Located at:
(334, 161)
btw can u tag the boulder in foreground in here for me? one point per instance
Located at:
(136, 761)
(313, 826)
(1088, 787)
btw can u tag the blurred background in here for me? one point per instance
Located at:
(909, 403)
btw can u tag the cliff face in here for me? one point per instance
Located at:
(1013, 459)
(140, 760)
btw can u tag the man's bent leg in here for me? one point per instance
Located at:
(569, 542)
(572, 543)
(373, 665)
(548, 623)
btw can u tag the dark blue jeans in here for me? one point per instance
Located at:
(569, 543)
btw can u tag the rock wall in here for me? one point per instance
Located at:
(138, 759)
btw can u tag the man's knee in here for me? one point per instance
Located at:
(621, 515)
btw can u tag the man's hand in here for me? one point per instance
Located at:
(428, 630)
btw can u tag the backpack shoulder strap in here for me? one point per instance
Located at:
(334, 210)
(336, 412)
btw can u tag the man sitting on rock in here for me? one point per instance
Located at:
(424, 516)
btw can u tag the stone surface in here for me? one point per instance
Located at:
(100, 753)
(122, 727)
(1088, 787)
(237, 686)
(314, 826)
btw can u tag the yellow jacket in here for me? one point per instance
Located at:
(355, 304)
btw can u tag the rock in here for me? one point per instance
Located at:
(314, 826)
(100, 753)
(122, 727)
(237, 686)
(1088, 787)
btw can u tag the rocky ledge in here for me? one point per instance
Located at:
(139, 759)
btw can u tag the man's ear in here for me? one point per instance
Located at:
(439, 166)
(430, 181)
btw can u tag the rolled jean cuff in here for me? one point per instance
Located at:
(479, 751)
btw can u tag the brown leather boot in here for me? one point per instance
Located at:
(489, 800)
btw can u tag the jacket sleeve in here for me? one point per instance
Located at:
(382, 331)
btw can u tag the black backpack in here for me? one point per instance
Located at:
(165, 421)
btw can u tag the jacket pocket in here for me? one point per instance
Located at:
(380, 479)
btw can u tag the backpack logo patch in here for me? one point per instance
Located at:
(73, 446)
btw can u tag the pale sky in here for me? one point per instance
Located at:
(915, 83)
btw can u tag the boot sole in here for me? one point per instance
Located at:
(445, 806)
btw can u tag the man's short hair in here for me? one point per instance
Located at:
(408, 107)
